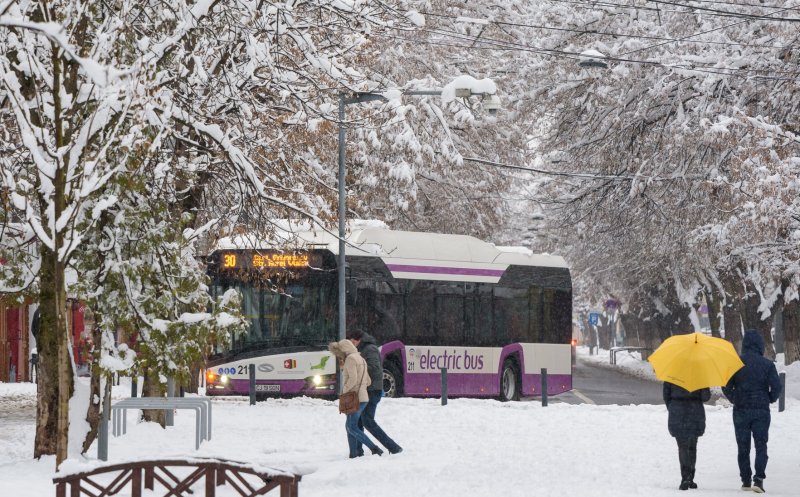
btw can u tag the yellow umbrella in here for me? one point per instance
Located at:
(695, 361)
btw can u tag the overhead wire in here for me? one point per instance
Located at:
(728, 13)
(609, 33)
(513, 45)
(707, 31)
(608, 4)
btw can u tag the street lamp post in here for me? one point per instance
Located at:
(491, 105)
(344, 100)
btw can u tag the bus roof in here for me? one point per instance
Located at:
(408, 245)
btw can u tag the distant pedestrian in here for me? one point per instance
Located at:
(687, 423)
(371, 353)
(751, 390)
(355, 378)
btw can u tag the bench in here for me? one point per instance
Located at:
(144, 474)
(612, 353)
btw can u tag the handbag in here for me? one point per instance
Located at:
(348, 401)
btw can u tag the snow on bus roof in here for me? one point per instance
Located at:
(375, 240)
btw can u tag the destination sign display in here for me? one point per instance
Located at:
(266, 260)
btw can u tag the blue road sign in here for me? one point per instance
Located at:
(594, 318)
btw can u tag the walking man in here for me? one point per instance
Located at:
(366, 345)
(751, 390)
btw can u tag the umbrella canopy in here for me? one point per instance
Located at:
(695, 361)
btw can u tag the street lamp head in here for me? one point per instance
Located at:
(463, 92)
(592, 58)
(593, 63)
(491, 104)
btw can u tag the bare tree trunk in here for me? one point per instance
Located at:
(151, 387)
(681, 322)
(714, 303)
(95, 395)
(751, 317)
(65, 377)
(791, 331)
(55, 381)
(47, 348)
(631, 324)
(193, 385)
(734, 289)
(604, 331)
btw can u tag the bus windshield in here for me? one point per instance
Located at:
(289, 309)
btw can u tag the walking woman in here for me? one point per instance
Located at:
(687, 422)
(354, 379)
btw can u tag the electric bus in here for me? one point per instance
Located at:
(493, 317)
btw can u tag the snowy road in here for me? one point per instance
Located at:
(606, 386)
(17, 422)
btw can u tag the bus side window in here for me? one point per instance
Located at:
(536, 322)
(420, 313)
(450, 313)
(388, 311)
(484, 311)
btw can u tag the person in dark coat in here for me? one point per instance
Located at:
(366, 345)
(751, 390)
(687, 423)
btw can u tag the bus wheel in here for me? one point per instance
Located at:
(392, 379)
(509, 381)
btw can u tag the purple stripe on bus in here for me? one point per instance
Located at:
(478, 385)
(403, 268)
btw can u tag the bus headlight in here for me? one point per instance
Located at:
(223, 379)
(321, 382)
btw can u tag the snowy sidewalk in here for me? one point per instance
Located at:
(467, 448)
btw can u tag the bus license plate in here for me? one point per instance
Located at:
(268, 388)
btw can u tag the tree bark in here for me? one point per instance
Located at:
(93, 409)
(47, 348)
(791, 331)
(714, 303)
(193, 385)
(751, 317)
(731, 314)
(55, 382)
(151, 387)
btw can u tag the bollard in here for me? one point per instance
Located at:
(134, 387)
(544, 387)
(169, 418)
(782, 398)
(102, 432)
(252, 370)
(444, 386)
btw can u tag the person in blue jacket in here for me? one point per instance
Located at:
(686, 422)
(751, 390)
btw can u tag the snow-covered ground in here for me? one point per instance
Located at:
(469, 447)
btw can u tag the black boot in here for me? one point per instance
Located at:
(377, 450)
(692, 484)
(684, 485)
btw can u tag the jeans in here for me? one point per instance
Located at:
(355, 435)
(368, 422)
(755, 422)
(687, 455)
